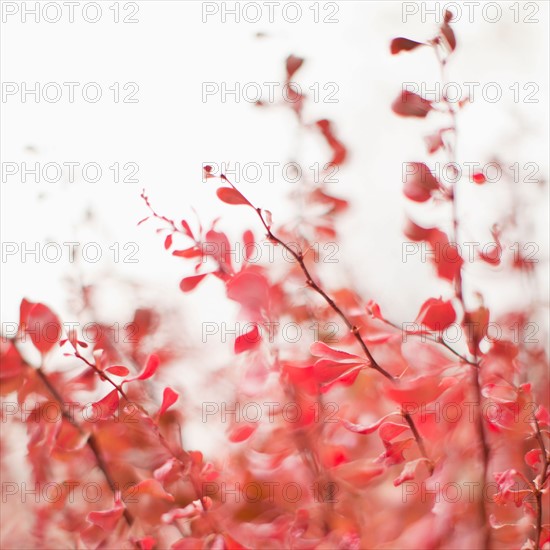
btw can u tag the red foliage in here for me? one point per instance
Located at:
(363, 435)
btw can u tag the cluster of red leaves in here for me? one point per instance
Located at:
(388, 416)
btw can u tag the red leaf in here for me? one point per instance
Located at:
(449, 36)
(108, 405)
(408, 472)
(248, 341)
(118, 371)
(192, 252)
(248, 241)
(231, 196)
(169, 397)
(24, 309)
(151, 367)
(242, 432)
(187, 229)
(411, 104)
(478, 178)
(492, 254)
(403, 45)
(436, 314)
(476, 323)
(106, 519)
(394, 452)
(43, 327)
(146, 543)
(419, 182)
(168, 242)
(154, 488)
(363, 429)
(389, 430)
(327, 371)
(250, 289)
(374, 309)
(293, 63)
(208, 172)
(338, 149)
(189, 283)
(320, 349)
(434, 142)
(533, 457)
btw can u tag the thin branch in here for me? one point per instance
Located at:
(91, 440)
(298, 256)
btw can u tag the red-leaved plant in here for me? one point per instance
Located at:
(389, 437)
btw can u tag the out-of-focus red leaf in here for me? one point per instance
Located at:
(403, 45)
(168, 241)
(145, 543)
(151, 367)
(107, 406)
(301, 376)
(434, 142)
(327, 371)
(189, 283)
(24, 308)
(195, 508)
(491, 255)
(337, 205)
(154, 488)
(248, 242)
(192, 252)
(338, 149)
(390, 430)
(43, 327)
(476, 323)
(320, 349)
(411, 104)
(394, 452)
(241, 432)
(420, 183)
(363, 429)
(248, 341)
(293, 63)
(479, 178)
(408, 472)
(416, 232)
(169, 397)
(250, 289)
(118, 370)
(449, 36)
(230, 195)
(436, 314)
(533, 458)
(107, 519)
(374, 309)
(207, 171)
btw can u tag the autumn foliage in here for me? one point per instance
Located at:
(403, 439)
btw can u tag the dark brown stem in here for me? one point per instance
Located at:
(91, 440)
